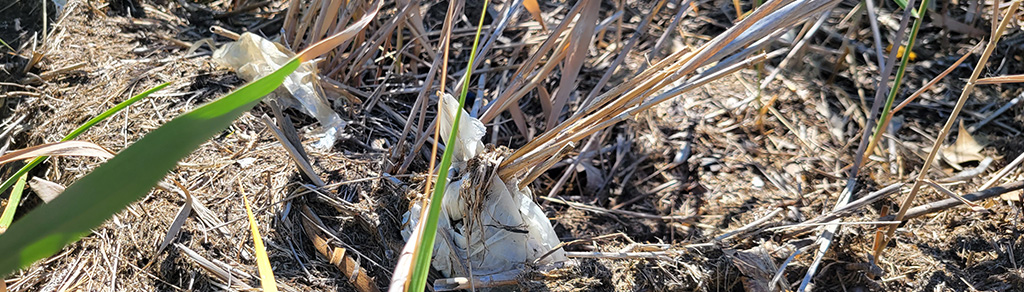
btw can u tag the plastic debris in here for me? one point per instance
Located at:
(487, 226)
(253, 57)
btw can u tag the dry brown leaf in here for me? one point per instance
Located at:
(46, 190)
(534, 9)
(755, 266)
(1013, 196)
(179, 220)
(66, 148)
(964, 149)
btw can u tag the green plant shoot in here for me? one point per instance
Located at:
(8, 215)
(425, 248)
(896, 82)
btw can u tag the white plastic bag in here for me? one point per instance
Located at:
(486, 223)
(253, 57)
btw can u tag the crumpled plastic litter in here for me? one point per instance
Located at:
(253, 57)
(497, 230)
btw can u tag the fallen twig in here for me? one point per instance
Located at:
(336, 255)
(952, 202)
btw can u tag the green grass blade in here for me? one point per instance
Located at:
(2, 42)
(425, 249)
(8, 215)
(903, 5)
(879, 127)
(126, 177)
(81, 129)
(12, 204)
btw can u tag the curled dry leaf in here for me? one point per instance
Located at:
(534, 8)
(1013, 196)
(46, 190)
(66, 148)
(755, 266)
(965, 149)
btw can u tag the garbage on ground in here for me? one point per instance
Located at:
(253, 57)
(488, 226)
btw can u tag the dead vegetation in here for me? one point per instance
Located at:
(666, 156)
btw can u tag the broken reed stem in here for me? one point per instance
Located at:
(446, 34)
(750, 225)
(336, 256)
(623, 255)
(626, 92)
(607, 117)
(1003, 172)
(678, 70)
(507, 99)
(933, 82)
(921, 176)
(944, 204)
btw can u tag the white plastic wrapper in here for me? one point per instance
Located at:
(486, 223)
(469, 143)
(253, 57)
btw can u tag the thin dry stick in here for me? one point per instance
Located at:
(506, 99)
(629, 47)
(949, 124)
(656, 50)
(1003, 172)
(951, 202)
(447, 35)
(421, 104)
(951, 194)
(874, 32)
(991, 117)
(1002, 79)
(796, 49)
(750, 226)
(848, 209)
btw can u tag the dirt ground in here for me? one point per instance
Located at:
(713, 155)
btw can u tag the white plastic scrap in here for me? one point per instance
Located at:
(253, 57)
(496, 232)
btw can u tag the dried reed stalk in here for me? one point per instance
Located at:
(964, 95)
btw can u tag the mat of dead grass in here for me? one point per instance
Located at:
(741, 165)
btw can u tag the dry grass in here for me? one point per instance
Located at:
(682, 173)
